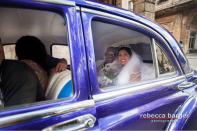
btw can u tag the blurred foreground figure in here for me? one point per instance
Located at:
(18, 82)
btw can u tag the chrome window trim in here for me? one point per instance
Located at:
(190, 74)
(154, 54)
(77, 8)
(135, 89)
(59, 2)
(134, 23)
(168, 74)
(13, 119)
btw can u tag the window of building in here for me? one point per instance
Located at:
(192, 40)
(123, 55)
(161, 1)
(114, 2)
(130, 5)
(47, 27)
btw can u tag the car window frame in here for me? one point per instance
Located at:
(118, 19)
(168, 73)
(51, 51)
(62, 14)
(7, 44)
(51, 47)
(152, 50)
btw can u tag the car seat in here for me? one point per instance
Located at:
(59, 86)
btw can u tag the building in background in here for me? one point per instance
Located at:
(177, 16)
(125, 4)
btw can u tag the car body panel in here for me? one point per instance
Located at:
(47, 117)
(76, 45)
(113, 109)
(184, 112)
(122, 110)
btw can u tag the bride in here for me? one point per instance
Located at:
(133, 69)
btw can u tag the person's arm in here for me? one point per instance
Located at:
(55, 64)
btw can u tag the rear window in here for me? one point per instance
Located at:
(47, 28)
(123, 55)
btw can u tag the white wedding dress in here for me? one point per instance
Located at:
(146, 70)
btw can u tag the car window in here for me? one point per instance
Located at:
(122, 55)
(34, 27)
(9, 51)
(164, 63)
(61, 51)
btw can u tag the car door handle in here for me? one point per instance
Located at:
(79, 123)
(185, 85)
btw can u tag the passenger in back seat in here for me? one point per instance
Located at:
(19, 84)
(31, 48)
(131, 66)
(107, 68)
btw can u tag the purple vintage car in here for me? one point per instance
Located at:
(125, 71)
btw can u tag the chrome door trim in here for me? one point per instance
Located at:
(135, 89)
(83, 122)
(190, 74)
(59, 2)
(13, 119)
(133, 23)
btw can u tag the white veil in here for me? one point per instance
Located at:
(146, 70)
(125, 73)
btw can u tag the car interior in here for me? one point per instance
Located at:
(110, 35)
(51, 29)
(122, 36)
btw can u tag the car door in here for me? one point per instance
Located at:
(147, 104)
(73, 113)
(188, 110)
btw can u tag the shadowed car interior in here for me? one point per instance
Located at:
(47, 26)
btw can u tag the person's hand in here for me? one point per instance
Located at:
(135, 77)
(61, 66)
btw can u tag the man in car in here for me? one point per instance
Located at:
(31, 50)
(18, 82)
(107, 69)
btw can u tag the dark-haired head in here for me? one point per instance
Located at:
(127, 49)
(124, 55)
(110, 54)
(30, 47)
